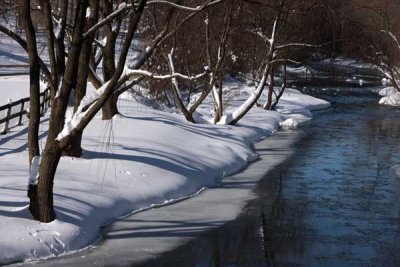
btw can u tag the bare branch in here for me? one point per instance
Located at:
(299, 45)
(130, 73)
(186, 8)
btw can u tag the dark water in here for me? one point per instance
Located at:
(335, 203)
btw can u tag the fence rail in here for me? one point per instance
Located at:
(44, 104)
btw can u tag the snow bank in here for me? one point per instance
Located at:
(391, 97)
(290, 123)
(144, 158)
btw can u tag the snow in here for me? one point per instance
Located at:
(57, 31)
(13, 87)
(387, 91)
(33, 178)
(290, 123)
(73, 121)
(347, 62)
(391, 97)
(89, 13)
(140, 159)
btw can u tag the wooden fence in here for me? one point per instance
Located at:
(44, 104)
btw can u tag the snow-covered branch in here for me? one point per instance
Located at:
(393, 37)
(273, 35)
(121, 9)
(300, 45)
(130, 72)
(186, 8)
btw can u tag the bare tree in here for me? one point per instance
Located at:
(75, 73)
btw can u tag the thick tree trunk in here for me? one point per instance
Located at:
(75, 147)
(41, 194)
(109, 56)
(110, 108)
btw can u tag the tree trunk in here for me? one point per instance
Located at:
(219, 111)
(60, 47)
(110, 108)
(41, 194)
(283, 87)
(268, 104)
(75, 147)
(239, 113)
(34, 80)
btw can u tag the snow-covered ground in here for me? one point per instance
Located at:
(142, 158)
(390, 97)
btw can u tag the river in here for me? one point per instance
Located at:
(336, 202)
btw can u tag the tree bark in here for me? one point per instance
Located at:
(283, 87)
(41, 196)
(110, 108)
(219, 111)
(34, 113)
(34, 80)
(268, 104)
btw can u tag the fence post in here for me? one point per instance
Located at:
(21, 112)
(8, 117)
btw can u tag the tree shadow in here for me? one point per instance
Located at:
(160, 228)
(221, 133)
(17, 134)
(163, 160)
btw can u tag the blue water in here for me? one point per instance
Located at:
(339, 196)
(335, 203)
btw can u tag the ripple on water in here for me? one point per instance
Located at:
(335, 203)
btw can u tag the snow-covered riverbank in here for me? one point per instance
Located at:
(142, 158)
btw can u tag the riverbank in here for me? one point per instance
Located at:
(143, 158)
(336, 202)
(141, 238)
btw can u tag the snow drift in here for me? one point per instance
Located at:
(144, 158)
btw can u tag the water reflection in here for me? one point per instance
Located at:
(336, 203)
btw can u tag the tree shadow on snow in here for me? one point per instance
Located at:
(11, 137)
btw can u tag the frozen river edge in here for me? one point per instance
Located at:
(146, 235)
